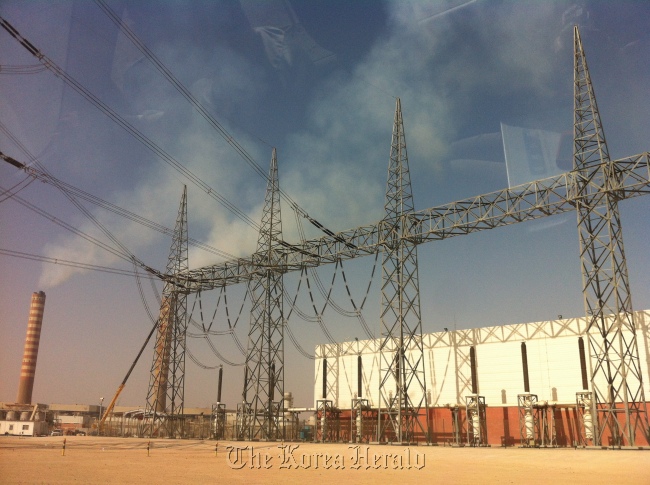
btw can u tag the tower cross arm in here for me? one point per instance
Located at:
(533, 200)
(348, 244)
(629, 177)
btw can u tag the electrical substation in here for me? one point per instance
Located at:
(560, 383)
(410, 385)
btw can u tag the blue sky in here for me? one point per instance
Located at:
(462, 69)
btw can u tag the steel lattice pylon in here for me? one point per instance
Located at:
(167, 381)
(593, 189)
(616, 371)
(264, 375)
(402, 387)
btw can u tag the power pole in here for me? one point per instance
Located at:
(264, 374)
(616, 380)
(402, 387)
(165, 398)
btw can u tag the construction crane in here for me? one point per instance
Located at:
(109, 408)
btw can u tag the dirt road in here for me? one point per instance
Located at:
(114, 460)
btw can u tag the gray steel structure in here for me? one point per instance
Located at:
(593, 188)
(606, 288)
(525, 202)
(401, 361)
(166, 395)
(264, 376)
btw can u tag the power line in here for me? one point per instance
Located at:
(22, 69)
(77, 192)
(71, 198)
(73, 264)
(125, 125)
(180, 87)
(65, 225)
(219, 128)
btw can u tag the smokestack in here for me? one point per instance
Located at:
(163, 352)
(30, 354)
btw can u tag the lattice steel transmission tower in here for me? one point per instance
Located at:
(165, 399)
(264, 374)
(402, 387)
(616, 379)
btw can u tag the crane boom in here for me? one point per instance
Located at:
(110, 407)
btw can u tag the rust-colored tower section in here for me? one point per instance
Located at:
(163, 350)
(30, 354)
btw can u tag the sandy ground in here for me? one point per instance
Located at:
(114, 460)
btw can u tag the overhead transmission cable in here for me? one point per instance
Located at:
(296, 344)
(145, 303)
(73, 264)
(122, 123)
(22, 69)
(17, 187)
(207, 332)
(122, 250)
(79, 193)
(212, 121)
(327, 293)
(65, 225)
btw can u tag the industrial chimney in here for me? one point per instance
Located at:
(28, 369)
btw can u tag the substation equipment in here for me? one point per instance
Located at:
(615, 407)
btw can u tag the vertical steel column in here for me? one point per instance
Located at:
(166, 395)
(401, 349)
(616, 380)
(265, 356)
(463, 341)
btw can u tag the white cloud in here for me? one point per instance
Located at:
(334, 165)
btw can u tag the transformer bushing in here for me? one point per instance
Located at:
(327, 421)
(277, 417)
(552, 409)
(218, 419)
(526, 405)
(244, 412)
(476, 420)
(360, 414)
(457, 429)
(584, 407)
(542, 424)
(292, 425)
(534, 422)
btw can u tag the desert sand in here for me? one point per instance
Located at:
(126, 460)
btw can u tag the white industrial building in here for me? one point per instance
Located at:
(552, 348)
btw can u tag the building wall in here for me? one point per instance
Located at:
(23, 428)
(554, 371)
